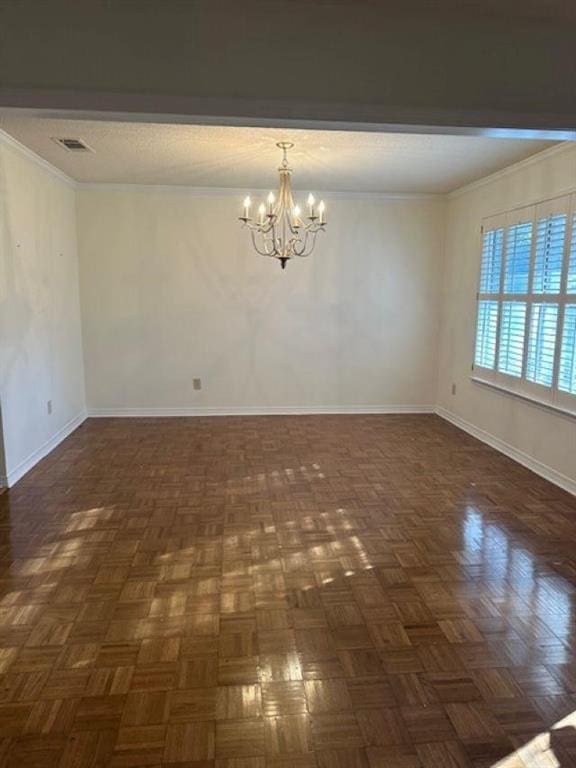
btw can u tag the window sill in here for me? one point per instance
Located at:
(559, 409)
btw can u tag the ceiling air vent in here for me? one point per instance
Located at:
(72, 145)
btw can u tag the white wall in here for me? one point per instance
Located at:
(542, 439)
(171, 290)
(40, 334)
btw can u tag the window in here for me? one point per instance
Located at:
(526, 318)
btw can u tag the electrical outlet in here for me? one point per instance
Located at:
(197, 383)
(453, 389)
(49, 407)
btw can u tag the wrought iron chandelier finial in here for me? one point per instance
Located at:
(280, 231)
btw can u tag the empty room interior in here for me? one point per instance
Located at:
(287, 385)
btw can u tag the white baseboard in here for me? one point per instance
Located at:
(289, 410)
(538, 467)
(25, 466)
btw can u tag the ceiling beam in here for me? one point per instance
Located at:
(496, 68)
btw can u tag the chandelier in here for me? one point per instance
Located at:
(280, 230)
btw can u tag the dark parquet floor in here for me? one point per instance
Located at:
(286, 592)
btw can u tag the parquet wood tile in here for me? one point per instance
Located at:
(99, 712)
(51, 716)
(245, 762)
(147, 708)
(104, 681)
(234, 702)
(451, 686)
(187, 742)
(342, 758)
(289, 734)
(361, 662)
(413, 689)
(285, 592)
(142, 745)
(199, 672)
(242, 671)
(89, 748)
(327, 696)
(399, 757)
(338, 730)
(285, 698)
(382, 726)
(280, 667)
(240, 738)
(438, 753)
(370, 693)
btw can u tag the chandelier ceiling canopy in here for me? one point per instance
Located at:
(281, 230)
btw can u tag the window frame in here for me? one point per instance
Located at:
(551, 397)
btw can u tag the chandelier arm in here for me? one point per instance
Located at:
(276, 247)
(308, 250)
(303, 240)
(276, 240)
(296, 231)
(263, 251)
(315, 233)
(314, 226)
(261, 228)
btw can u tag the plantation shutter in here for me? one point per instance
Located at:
(489, 288)
(567, 373)
(542, 344)
(571, 278)
(511, 347)
(486, 333)
(518, 251)
(549, 253)
(491, 264)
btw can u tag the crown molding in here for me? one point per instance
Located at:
(545, 154)
(10, 141)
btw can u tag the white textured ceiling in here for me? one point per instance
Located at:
(216, 156)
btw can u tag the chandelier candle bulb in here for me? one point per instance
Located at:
(296, 216)
(278, 230)
(311, 205)
(271, 200)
